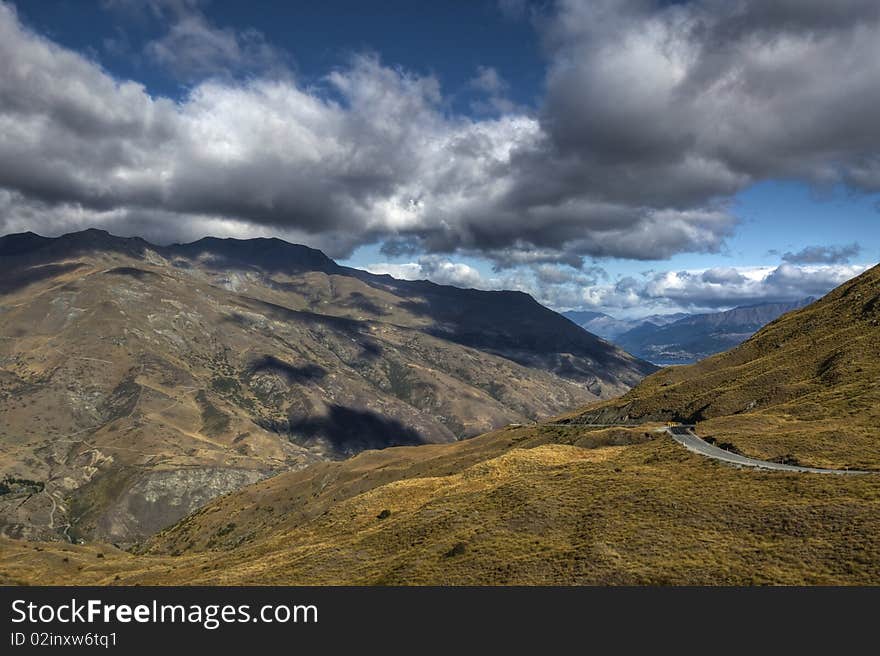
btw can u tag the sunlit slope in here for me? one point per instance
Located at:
(806, 388)
(516, 507)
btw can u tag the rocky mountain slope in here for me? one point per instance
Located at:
(698, 336)
(137, 381)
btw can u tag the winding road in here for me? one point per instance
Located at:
(685, 435)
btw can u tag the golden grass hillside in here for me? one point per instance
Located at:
(523, 506)
(805, 389)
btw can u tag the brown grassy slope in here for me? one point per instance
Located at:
(646, 513)
(289, 501)
(805, 388)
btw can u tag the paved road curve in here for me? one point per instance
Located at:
(685, 436)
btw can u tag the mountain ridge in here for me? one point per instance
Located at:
(610, 328)
(685, 338)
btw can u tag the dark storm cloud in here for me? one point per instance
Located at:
(674, 106)
(823, 254)
(654, 115)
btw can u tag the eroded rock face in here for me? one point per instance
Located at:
(155, 500)
(617, 415)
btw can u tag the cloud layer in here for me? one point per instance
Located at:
(824, 254)
(655, 114)
(652, 117)
(721, 287)
(704, 290)
(695, 100)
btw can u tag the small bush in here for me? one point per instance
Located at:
(457, 550)
(226, 530)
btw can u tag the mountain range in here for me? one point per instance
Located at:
(139, 381)
(610, 328)
(683, 338)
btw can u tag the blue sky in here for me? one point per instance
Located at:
(600, 156)
(449, 39)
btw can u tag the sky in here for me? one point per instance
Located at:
(626, 156)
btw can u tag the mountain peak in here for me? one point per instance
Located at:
(21, 243)
(267, 253)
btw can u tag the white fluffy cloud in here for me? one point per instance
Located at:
(707, 289)
(654, 115)
(553, 285)
(436, 269)
(564, 287)
(370, 154)
(367, 155)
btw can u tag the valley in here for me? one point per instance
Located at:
(684, 338)
(570, 500)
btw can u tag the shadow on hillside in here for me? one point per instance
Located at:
(132, 272)
(350, 430)
(359, 301)
(270, 364)
(352, 328)
(10, 282)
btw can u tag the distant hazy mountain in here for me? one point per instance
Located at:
(697, 336)
(608, 327)
(139, 381)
